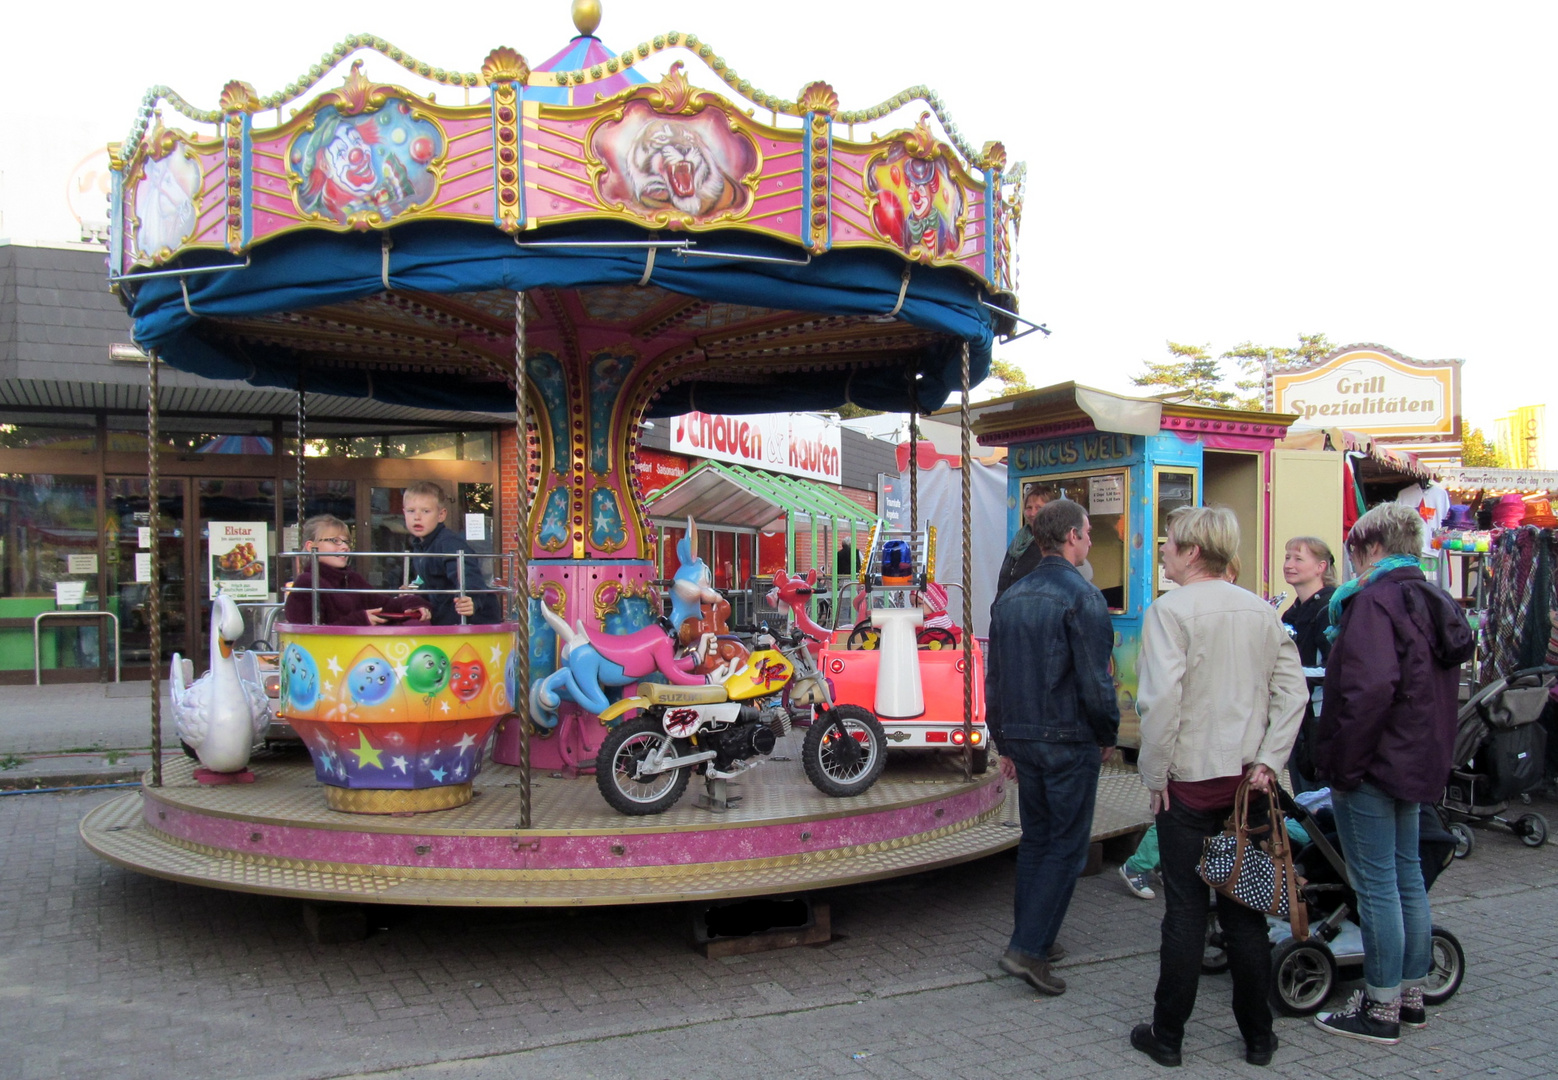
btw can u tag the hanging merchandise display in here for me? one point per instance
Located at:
(1520, 598)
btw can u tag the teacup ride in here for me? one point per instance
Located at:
(397, 719)
(525, 244)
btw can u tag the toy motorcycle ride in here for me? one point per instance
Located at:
(645, 764)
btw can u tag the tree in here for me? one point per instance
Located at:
(1010, 376)
(1477, 450)
(1192, 371)
(1254, 360)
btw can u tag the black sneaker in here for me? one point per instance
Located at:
(1362, 1018)
(1143, 1038)
(1413, 1014)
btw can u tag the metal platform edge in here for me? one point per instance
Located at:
(116, 833)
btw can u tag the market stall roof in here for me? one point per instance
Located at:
(1036, 413)
(718, 494)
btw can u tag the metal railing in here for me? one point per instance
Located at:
(507, 559)
(37, 644)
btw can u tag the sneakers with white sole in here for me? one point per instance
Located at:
(1139, 884)
(1366, 1019)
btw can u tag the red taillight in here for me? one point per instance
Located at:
(935, 736)
(961, 665)
(957, 736)
(836, 666)
(976, 737)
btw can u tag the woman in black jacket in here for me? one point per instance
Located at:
(1309, 568)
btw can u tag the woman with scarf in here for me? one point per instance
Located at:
(1022, 556)
(1384, 743)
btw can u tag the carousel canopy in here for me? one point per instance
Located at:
(718, 494)
(371, 245)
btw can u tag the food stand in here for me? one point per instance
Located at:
(1130, 462)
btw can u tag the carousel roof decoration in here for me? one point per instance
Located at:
(374, 232)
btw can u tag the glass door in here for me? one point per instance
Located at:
(130, 535)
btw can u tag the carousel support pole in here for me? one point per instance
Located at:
(914, 472)
(154, 619)
(302, 453)
(968, 574)
(522, 556)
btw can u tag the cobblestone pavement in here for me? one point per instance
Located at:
(104, 972)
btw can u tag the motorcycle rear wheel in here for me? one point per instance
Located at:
(835, 768)
(617, 763)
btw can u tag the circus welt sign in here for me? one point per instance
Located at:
(800, 444)
(1373, 391)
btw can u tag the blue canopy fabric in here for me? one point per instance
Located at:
(314, 270)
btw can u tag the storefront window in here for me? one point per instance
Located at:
(193, 435)
(426, 446)
(48, 539)
(387, 531)
(47, 431)
(1105, 496)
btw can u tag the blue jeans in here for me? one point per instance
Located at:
(1057, 784)
(1379, 842)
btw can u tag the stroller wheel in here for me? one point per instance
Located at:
(1532, 829)
(1449, 968)
(1303, 974)
(1464, 840)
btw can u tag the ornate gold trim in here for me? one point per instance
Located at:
(397, 801)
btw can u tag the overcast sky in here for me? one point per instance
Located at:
(1203, 173)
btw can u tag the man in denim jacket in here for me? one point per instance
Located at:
(1053, 717)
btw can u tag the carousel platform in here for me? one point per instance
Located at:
(277, 836)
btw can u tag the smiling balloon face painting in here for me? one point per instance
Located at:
(299, 680)
(470, 675)
(427, 670)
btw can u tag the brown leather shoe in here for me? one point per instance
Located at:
(1034, 972)
(1057, 953)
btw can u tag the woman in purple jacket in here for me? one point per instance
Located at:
(1384, 742)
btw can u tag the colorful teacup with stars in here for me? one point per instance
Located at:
(392, 708)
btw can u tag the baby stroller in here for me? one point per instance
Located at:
(1305, 971)
(1499, 755)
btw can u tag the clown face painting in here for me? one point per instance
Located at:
(917, 203)
(376, 163)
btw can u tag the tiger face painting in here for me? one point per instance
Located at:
(669, 165)
(654, 164)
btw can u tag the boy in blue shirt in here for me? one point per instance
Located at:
(436, 566)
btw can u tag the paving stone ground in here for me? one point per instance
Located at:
(108, 973)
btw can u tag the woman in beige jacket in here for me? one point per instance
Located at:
(1220, 695)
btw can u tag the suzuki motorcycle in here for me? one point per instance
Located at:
(723, 730)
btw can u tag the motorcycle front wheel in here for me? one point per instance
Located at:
(845, 751)
(616, 770)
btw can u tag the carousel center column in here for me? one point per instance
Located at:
(590, 545)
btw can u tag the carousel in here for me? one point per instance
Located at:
(585, 248)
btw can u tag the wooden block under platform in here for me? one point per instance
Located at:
(335, 924)
(760, 924)
(1095, 859)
